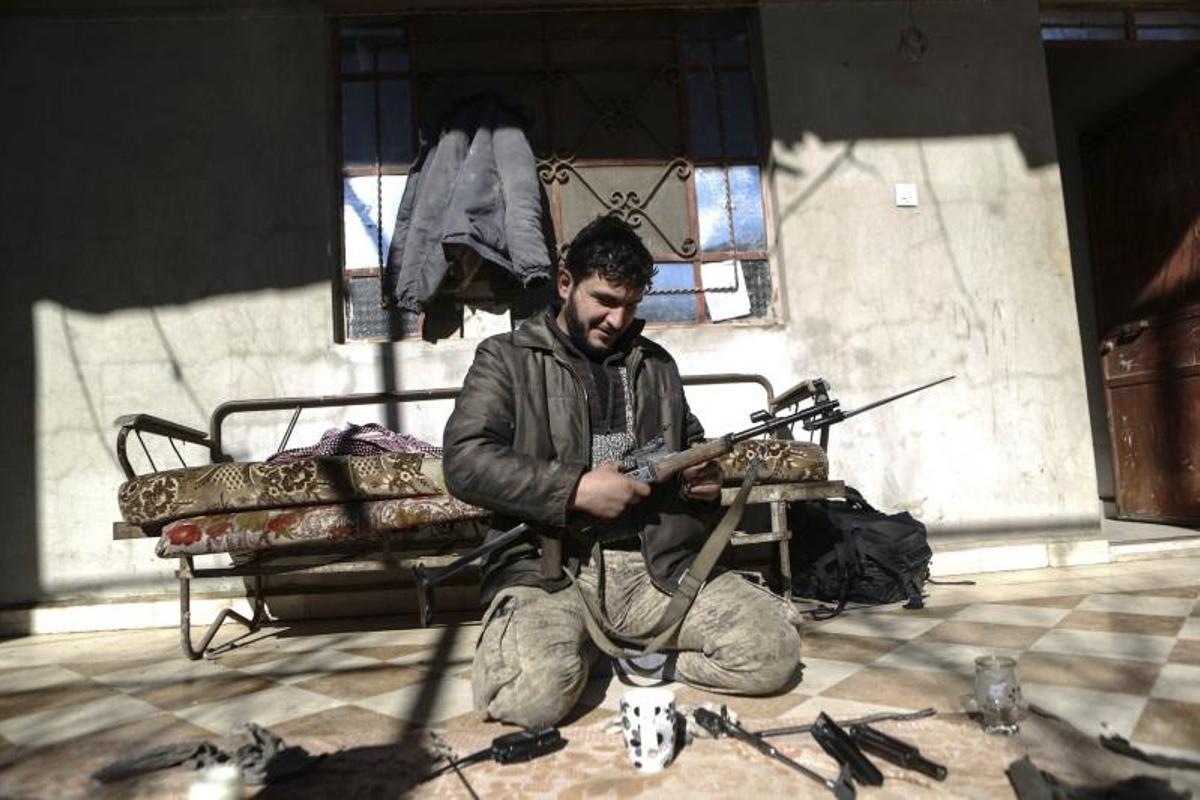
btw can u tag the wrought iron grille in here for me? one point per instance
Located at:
(652, 116)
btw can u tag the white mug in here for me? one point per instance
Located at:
(648, 725)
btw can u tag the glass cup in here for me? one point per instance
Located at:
(998, 694)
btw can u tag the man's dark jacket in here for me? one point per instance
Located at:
(519, 441)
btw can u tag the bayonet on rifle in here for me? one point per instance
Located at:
(830, 414)
(654, 463)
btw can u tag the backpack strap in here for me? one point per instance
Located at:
(847, 566)
(855, 500)
(912, 587)
(907, 582)
(601, 629)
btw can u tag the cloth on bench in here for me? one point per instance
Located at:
(358, 440)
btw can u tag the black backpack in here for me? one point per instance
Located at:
(848, 551)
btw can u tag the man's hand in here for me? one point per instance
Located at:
(606, 494)
(702, 481)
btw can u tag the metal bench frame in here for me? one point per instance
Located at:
(381, 556)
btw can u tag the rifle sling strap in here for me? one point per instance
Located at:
(603, 632)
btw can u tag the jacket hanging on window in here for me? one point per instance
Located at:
(472, 195)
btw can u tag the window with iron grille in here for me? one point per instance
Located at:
(652, 116)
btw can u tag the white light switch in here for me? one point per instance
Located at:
(906, 195)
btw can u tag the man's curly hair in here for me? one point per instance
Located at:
(609, 247)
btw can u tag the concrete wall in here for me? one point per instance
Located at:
(976, 281)
(165, 197)
(169, 215)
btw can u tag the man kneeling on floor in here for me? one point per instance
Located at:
(545, 413)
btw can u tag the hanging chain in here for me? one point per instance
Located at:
(692, 290)
(378, 166)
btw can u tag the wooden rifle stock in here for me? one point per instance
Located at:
(671, 465)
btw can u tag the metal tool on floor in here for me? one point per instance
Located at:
(841, 748)
(720, 725)
(883, 716)
(895, 751)
(510, 748)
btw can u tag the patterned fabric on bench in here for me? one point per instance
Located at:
(241, 507)
(432, 522)
(782, 461)
(240, 486)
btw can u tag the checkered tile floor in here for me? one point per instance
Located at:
(1113, 648)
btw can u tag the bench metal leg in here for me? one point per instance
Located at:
(779, 527)
(185, 574)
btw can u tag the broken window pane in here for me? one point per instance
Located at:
(367, 319)
(712, 209)
(360, 245)
(730, 209)
(658, 306)
(758, 282)
(745, 191)
(725, 293)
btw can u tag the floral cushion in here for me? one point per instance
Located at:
(428, 523)
(782, 461)
(241, 486)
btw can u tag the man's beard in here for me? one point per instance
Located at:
(578, 331)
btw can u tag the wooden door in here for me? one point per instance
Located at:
(1142, 174)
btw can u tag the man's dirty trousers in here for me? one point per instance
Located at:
(534, 653)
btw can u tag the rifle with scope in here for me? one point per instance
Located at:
(654, 462)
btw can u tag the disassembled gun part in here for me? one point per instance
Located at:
(898, 752)
(721, 725)
(841, 748)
